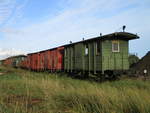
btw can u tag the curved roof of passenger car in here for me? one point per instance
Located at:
(115, 35)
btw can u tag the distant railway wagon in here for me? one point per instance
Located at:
(18, 59)
(106, 54)
(8, 62)
(14, 61)
(1, 62)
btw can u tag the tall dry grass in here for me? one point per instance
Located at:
(30, 92)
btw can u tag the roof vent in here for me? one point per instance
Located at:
(83, 39)
(100, 34)
(70, 42)
(123, 28)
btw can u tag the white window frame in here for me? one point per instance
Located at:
(86, 49)
(97, 46)
(115, 42)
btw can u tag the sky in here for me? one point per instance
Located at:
(28, 26)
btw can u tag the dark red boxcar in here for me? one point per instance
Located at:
(56, 59)
(46, 60)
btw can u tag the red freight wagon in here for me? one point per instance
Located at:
(60, 64)
(46, 60)
(33, 61)
(56, 59)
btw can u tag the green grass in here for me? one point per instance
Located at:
(22, 91)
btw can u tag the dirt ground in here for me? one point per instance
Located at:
(1, 73)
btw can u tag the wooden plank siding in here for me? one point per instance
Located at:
(115, 60)
(76, 59)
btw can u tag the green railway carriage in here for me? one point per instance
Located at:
(99, 55)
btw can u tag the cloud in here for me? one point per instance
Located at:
(6, 9)
(86, 18)
(11, 31)
(18, 13)
(5, 53)
(11, 11)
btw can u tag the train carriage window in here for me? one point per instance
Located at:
(98, 48)
(86, 49)
(115, 46)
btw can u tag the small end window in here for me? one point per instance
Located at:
(115, 46)
(98, 48)
(86, 49)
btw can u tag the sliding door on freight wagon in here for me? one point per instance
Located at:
(60, 58)
(47, 60)
(53, 60)
(69, 58)
(57, 59)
